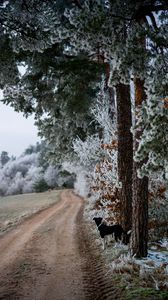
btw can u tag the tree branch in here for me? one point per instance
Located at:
(77, 3)
(152, 18)
(146, 10)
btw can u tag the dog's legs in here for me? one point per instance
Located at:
(107, 239)
(104, 243)
(120, 242)
(120, 239)
(116, 240)
(112, 237)
(116, 237)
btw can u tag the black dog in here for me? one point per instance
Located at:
(105, 230)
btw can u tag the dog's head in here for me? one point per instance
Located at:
(98, 220)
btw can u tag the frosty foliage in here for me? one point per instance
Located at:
(152, 270)
(105, 178)
(81, 185)
(154, 119)
(38, 26)
(95, 163)
(19, 175)
(51, 176)
(87, 154)
(117, 43)
(82, 182)
(22, 174)
(158, 208)
(9, 71)
(32, 26)
(124, 264)
(104, 113)
(88, 151)
(59, 133)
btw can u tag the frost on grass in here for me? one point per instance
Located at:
(151, 271)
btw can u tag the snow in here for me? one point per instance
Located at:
(155, 256)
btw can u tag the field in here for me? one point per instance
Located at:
(13, 209)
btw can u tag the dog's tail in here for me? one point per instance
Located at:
(126, 236)
(129, 232)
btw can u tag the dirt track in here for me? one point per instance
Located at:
(51, 257)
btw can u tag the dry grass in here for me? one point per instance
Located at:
(13, 209)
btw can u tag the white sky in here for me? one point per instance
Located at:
(16, 132)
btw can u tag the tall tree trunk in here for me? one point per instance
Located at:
(125, 152)
(140, 190)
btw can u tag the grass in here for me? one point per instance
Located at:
(127, 274)
(14, 209)
(146, 293)
(131, 288)
(137, 285)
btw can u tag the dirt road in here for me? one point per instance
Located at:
(51, 257)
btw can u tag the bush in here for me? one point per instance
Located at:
(41, 186)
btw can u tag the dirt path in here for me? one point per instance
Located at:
(51, 257)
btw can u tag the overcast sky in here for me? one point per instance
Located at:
(16, 132)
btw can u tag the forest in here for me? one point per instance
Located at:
(96, 78)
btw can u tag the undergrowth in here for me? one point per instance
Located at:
(140, 279)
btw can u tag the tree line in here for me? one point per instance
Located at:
(31, 172)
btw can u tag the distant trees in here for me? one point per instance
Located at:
(25, 174)
(40, 186)
(4, 158)
(18, 176)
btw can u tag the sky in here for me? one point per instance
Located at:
(16, 132)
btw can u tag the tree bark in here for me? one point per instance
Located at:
(140, 216)
(140, 190)
(125, 153)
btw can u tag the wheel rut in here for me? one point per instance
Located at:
(96, 276)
